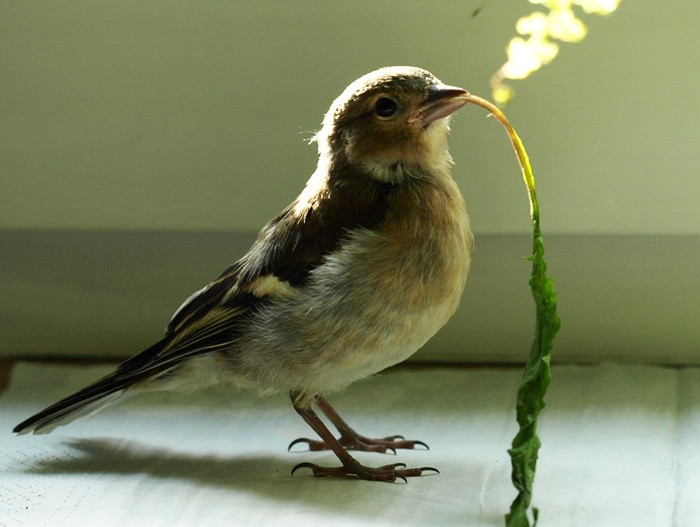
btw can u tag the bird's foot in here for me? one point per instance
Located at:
(351, 440)
(388, 473)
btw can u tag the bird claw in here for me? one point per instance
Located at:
(388, 473)
(351, 440)
(415, 442)
(306, 440)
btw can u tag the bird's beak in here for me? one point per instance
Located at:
(442, 101)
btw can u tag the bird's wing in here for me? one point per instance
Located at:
(281, 259)
(209, 320)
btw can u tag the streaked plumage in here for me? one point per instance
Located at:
(355, 275)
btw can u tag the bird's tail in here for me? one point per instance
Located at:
(113, 388)
(87, 401)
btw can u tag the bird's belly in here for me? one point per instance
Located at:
(394, 312)
(376, 339)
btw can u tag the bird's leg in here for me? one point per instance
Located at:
(351, 440)
(350, 466)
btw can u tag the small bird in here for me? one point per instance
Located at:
(354, 276)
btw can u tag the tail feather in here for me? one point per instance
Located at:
(87, 401)
(113, 388)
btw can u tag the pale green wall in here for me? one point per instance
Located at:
(192, 115)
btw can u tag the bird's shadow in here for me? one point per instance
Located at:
(268, 477)
(124, 457)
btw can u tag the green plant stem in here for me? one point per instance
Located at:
(537, 374)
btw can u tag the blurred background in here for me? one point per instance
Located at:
(144, 143)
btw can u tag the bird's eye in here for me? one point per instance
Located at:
(385, 107)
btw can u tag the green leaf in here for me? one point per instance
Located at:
(537, 374)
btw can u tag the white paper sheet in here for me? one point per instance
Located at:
(620, 448)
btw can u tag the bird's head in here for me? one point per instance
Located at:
(390, 123)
